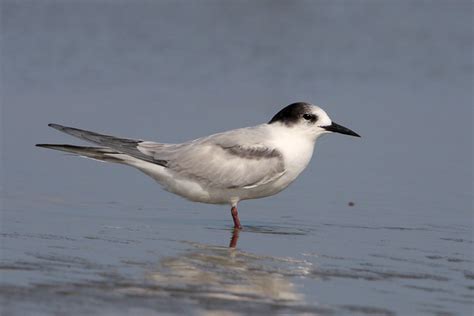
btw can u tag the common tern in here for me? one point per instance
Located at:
(224, 168)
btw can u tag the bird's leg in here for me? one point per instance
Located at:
(235, 217)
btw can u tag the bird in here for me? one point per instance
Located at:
(223, 168)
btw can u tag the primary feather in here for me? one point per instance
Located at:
(123, 145)
(97, 153)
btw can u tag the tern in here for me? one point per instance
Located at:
(224, 168)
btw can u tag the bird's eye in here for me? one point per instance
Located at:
(309, 117)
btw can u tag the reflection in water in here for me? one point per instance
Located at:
(217, 279)
(235, 238)
(230, 274)
(204, 280)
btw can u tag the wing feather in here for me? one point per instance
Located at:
(239, 158)
(234, 159)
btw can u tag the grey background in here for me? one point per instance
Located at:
(398, 73)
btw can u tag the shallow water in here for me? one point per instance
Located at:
(79, 237)
(112, 259)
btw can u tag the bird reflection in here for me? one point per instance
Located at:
(209, 272)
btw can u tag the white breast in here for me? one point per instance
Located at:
(297, 152)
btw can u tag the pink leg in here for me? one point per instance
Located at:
(235, 217)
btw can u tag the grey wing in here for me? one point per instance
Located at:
(226, 160)
(234, 159)
(122, 145)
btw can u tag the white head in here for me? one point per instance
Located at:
(309, 119)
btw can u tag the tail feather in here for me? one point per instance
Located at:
(122, 145)
(98, 153)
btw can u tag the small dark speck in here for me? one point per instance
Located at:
(351, 203)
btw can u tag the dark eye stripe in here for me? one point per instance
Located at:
(310, 117)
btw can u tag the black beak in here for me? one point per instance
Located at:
(336, 128)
